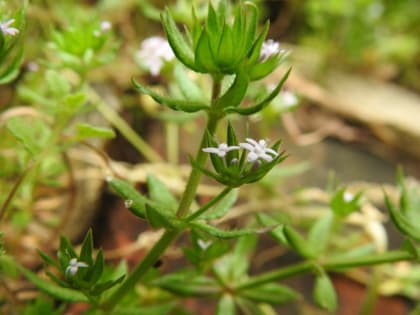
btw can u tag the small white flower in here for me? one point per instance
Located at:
(154, 51)
(105, 26)
(289, 98)
(258, 150)
(270, 48)
(221, 150)
(7, 30)
(348, 196)
(74, 266)
(32, 66)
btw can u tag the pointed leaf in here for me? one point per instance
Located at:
(136, 203)
(402, 223)
(324, 293)
(231, 141)
(87, 249)
(183, 105)
(177, 41)
(188, 284)
(97, 268)
(236, 92)
(226, 305)
(222, 207)
(278, 232)
(298, 243)
(160, 193)
(63, 294)
(226, 51)
(261, 105)
(47, 259)
(188, 87)
(263, 69)
(204, 58)
(319, 233)
(158, 218)
(213, 231)
(271, 293)
(254, 54)
(86, 131)
(251, 25)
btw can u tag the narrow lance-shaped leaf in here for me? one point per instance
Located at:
(183, 105)
(221, 208)
(226, 305)
(177, 41)
(402, 223)
(136, 203)
(160, 193)
(324, 293)
(87, 249)
(232, 140)
(188, 87)
(254, 54)
(236, 92)
(319, 233)
(204, 58)
(298, 243)
(271, 293)
(63, 294)
(213, 231)
(278, 232)
(85, 131)
(264, 103)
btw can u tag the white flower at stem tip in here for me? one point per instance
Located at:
(348, 196)
(270, 48)
(7, 30)
(105, 26)
(74, 266)
(221, 150)
(154, 51)
(258, 150)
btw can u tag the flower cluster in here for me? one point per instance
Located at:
(236, 164)
(154, 52)
(270, 48)
(7, 30)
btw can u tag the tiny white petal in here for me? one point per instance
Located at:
(348, 197)
(153, 52)
(105, 26)
(7, 30)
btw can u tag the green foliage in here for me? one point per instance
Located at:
(324, 293)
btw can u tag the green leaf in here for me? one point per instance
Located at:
(188, 284)
(298, 243)
(248, 307)
(47, 259)
(99, 288)
(216, 160)
(222, 207)
(213, 231)
(204, 58)
(254, 54)
(63, 294)
(135, 201)
(160, 193)
(233, 97)
(278, 232)
(188, 87)
(179, 45)
(262, 104)
(85, 131)
(251, 25)
(271, 293)
(263, 69)
(340, 206)
(183, 105)
(7, 265)
(12, 70)
(406, 226)
(159, 218)
(87, 249)
(72, 103)
(324, 293)
(227, 52)
(24, 134)
(57, 83)
(226, 305)
(65, 252)
(97, 269)
(319, 233)
(231, 141)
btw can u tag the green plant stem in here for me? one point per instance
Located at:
(125, 129)
(208, 205)
(331, 264)
(170, 235)
(148, 261)
(371, 296)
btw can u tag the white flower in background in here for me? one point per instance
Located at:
(32, 66)
(258, 150)
(348, 196)
(289, 98)
(270, 48)
(221, 150)
(154, 52)
(7, 30)
(105, 26)
(74, 266)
